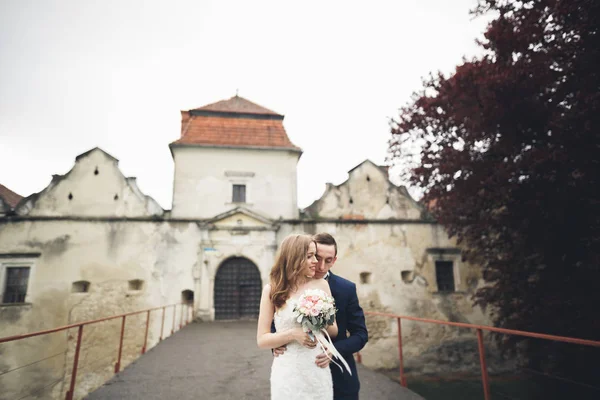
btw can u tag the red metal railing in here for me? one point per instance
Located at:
(479, 330)
(80, 325)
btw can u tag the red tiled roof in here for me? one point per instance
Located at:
(10, 197)
(237, 104)
(234, 122)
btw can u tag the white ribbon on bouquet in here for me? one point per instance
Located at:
(324, 340)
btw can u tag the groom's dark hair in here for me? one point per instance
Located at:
(326, 239)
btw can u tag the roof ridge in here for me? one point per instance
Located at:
(236, 104)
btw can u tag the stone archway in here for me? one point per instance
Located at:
(238, 288)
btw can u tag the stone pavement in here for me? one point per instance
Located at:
(217, 361)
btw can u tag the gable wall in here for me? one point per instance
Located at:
(366, 194)
(106, 193)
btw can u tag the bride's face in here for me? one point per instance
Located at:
(310, 261)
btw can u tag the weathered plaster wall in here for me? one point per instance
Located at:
(367, 194)
(94, 187)
(108, 255)
(204, 178)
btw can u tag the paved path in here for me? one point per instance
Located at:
(217, 361)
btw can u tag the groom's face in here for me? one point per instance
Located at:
(325, 259)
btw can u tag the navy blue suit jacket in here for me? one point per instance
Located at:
(350, 318)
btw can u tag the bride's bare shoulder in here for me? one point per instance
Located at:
(321, 284)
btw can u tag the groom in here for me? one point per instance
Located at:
(350, 318)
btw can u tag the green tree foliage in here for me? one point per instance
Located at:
(509, 159)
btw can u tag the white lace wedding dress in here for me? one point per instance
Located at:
(294, 374)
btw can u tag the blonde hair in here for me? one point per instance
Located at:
(285, 273)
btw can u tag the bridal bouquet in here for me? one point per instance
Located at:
(315, 310)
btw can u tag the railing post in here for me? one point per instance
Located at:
(75, 363)
(484, 372)
(118, 364)
(146, 336)
(181, 317)
(402, 377)
(174, 312)
(162, 325)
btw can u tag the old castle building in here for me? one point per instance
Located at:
(91, 244)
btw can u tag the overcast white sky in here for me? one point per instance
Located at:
(76, 74)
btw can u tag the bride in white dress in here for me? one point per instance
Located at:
(294, 374)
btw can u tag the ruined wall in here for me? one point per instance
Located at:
(94, 187)
(367, 194)
(108, 255)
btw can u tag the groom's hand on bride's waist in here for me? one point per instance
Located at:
(279, 351)
(323, 360)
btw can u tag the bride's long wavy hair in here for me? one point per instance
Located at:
(286, 271)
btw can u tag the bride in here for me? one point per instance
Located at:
(294, 375)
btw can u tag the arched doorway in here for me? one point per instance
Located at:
(237, 289)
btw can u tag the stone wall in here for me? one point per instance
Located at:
(110, 256)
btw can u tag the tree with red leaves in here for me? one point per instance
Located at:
(509, 160)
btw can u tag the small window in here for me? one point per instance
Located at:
(187, 297)
(239, 193)
(407, 276)
(136, 284)
(365, 277)
(444, 274)
(15, 286)
(80, 287)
